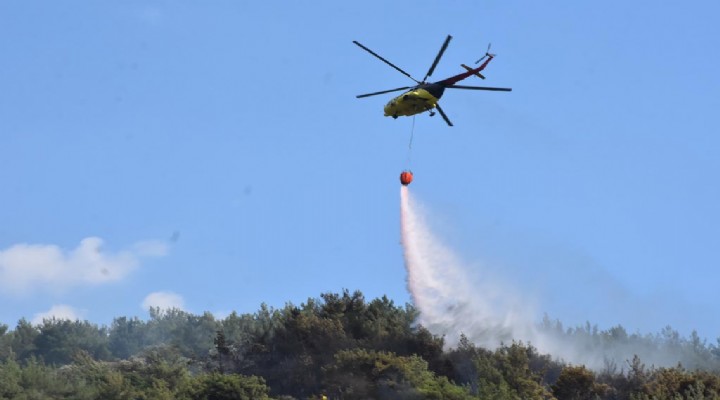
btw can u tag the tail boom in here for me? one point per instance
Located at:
(479, 75)
(470, 71)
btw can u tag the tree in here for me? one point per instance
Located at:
(222, 352)
(361, 374)
(668, 383)
(60, 339)
(215, 386)
(158, 374)
(292, 360)
(577, 383)
(23, 339)
(41, 381)
(5, 342)
(127, 336)
(10, 375)
(514, 363)
(192, 334)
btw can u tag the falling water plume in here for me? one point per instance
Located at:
(449, 301)
(454, 298)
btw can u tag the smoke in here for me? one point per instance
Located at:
(453, 299)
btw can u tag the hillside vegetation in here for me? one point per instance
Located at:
(339, 346)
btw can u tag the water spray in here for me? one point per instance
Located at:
(454, 298)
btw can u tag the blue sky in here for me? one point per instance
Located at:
(213, 155)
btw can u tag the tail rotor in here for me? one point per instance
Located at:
(487, 54)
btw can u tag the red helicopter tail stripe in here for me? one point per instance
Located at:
(472, 71)
(479, 75)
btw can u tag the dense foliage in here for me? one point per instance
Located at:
(339, 346)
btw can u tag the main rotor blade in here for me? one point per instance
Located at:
(383, 92)
(442, 114)
(437, 58)
(495, 89)
(385, 61)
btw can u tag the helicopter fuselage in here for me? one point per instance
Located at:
(425, 96)
(421, 98)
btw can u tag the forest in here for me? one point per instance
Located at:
(337, 346)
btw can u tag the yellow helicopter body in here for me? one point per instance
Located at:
(410, 103)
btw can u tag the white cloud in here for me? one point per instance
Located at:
(163, 300)
(59, 311)
(28, 267)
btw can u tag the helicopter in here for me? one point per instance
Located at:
(425, 95)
